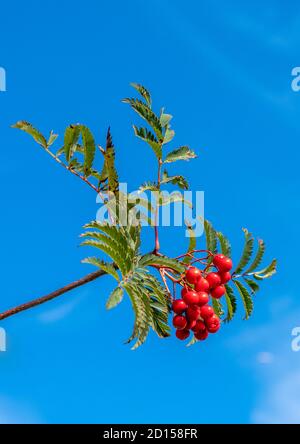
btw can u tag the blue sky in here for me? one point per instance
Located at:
(224, 72)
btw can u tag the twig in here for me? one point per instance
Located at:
(71, 170)
(161, 272)
(35, 302)
(157, 245)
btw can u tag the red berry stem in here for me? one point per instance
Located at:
(190, 253)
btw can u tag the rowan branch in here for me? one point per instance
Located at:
(35, 302)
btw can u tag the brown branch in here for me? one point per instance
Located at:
(35, 302)
(86, 279)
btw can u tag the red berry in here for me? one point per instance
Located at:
(212, 324)
(199, 326)
(207, 311)
(192, 275)
(179, 322)
(190, 325)
(223, 263)
(213, 279)
(213, 328)
(193, 313)
(203, 298)
(225, 276)
(202, 285)
(201, 335)
(184, 291)
(218, 292)
(182, 334)
(214, 319)
(191, 297)
(179, 306)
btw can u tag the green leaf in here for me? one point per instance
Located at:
(211, 238)
(169, 136)
(71, 137)
(143, 92)
(89, 149)
(246, 298)
(105, 266)
(109, 156)
(60, 151)
(225, 244)
(231, 303)
(147, 114)
(180, 181)
(115, 298)
(266, 272)
(118, 234)
(33, 132)
(148, 186)
(258, 257)
(152, 259)
(149, 303)
(140, 201)
(75, 165)
(192, 244)
(174, 197)
(142, 310)
(110, 249)
(52, 138)
(103, 176)
(122, 248)
(165, 119)
(161, 328)
(217, 306)
(192, 341)
(252, 284)
(182, 153)
(247, 252)
(124, 240)
(149, 138)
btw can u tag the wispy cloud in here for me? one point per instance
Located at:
(236, 71)
(266, 28)
(265, 357)
(58, 313)
(280, 402)
(273, 364)
(13, 412)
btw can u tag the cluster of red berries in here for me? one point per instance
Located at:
(192, 312)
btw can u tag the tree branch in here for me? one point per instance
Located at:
(35, 302)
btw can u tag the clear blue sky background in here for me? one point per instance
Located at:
(224, 71)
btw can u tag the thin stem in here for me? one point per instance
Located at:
(156, 234)
(174, 280)
(35, 302)
(72, 171)
(162, 274)
(98, 190)
(194, 251)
